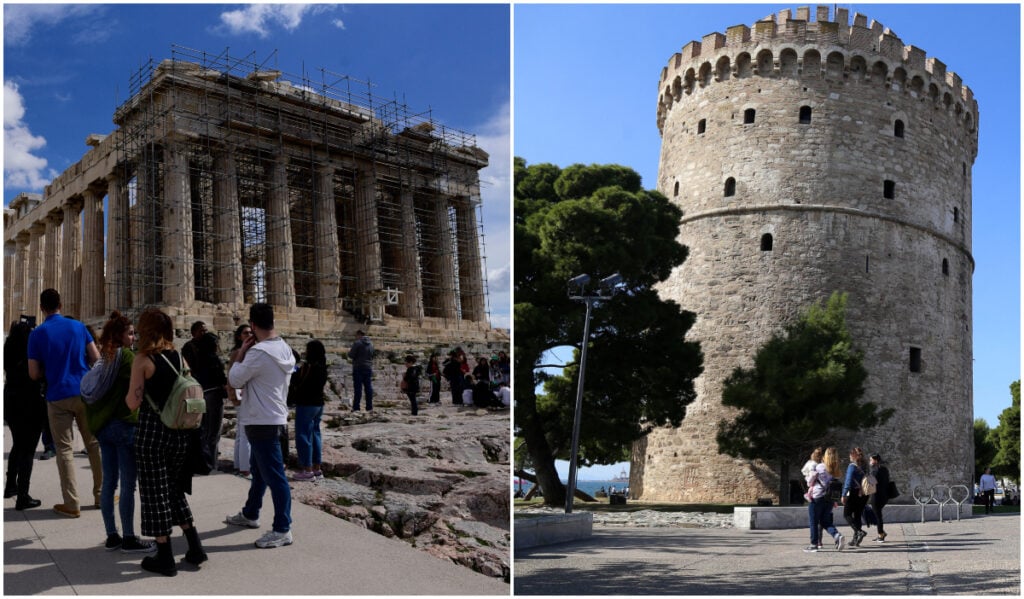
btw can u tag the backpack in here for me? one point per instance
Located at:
(100, 378)
(185, 403)
(835, 490)
(868, 484)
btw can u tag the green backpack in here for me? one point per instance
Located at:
(186, 403)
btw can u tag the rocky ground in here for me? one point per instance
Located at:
(646, 518)
(438, 481)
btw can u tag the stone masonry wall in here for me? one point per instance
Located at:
(814, 193)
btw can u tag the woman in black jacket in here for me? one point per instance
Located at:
(880, 497)
(307, 394)
(25, 413)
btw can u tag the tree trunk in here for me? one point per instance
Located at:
(783, 482)
(541, 455)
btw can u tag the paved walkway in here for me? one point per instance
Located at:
(45, 553)
(976, 556)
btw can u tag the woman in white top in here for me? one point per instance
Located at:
(987, 487)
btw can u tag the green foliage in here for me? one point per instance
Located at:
(984, 447)
(1006, 438)
(597, 220)
(805, 383)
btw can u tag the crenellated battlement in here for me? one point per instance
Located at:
(788, 45)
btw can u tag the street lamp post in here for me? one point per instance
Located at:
(606, 288)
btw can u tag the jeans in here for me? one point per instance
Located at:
(117, 452)
(268, 472)
(819, 514)
(307, 434)
(412, 400)
(362, 378)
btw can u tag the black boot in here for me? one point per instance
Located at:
(26, 502)
(163, 561)
(195, 554)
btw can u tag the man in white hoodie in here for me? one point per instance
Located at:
(263, 368)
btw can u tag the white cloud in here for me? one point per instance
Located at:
(21, 19)
(339, 23)
(259, 18)
(22, 168)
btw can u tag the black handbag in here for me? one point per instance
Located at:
(892, 491)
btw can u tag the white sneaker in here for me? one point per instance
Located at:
(274, 539)
(239, 519)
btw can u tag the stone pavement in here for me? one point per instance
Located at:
(976, 556)
(45, 553)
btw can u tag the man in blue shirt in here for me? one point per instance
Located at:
(61, 350)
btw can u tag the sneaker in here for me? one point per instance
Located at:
(64, 510)
(840, 540)
(136, 545)
(811, 549)
(49, 453)
(319, 474)
(860, 537)
(113, 542)
(879, 540)
(274, 539)
(245, 475)
(239, 519)
(303, 475)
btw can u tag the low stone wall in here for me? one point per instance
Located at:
(773, 518)
(548, 530)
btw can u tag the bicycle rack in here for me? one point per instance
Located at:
(942, 496)
(959, 504)
(919, 497)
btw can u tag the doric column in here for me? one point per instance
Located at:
(446, 259)
(410, 304)
(117, 243)
(71, 273)
(93, 278)
(471, 285)
(10, 310)
(368, 260)
(280, 269)
(177, 256)
(140, 256)
(227, 248)
(51, 253)
(328, 267)
(35, 269)
(19, 293)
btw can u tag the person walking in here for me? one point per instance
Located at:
(411, 382)
(25, 413)
(853, 499)
(114, 426)
(160, 452)
(263, 368)
(881, 495)
(361, 354)
(819, 510)
(307, 394)
(987, 488)
(243, 451)
(208, 370)
(61, 350)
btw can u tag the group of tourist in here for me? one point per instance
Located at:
(824, 471)
(127, 442)
(488, 384)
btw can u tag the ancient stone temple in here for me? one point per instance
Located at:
(225, 183)
(809, 156)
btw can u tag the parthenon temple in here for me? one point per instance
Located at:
(227, 183)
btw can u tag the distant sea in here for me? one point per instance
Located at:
(587, 486)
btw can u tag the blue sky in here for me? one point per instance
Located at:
(67, 67)
(586, 79)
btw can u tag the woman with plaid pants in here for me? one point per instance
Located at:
(159, 451)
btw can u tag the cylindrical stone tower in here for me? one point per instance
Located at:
(812, 156)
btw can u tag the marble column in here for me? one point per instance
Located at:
(445, 259)
(280, 271)
(117, 244)
(93, 278)
(71, 274)
(177, 257)
(368, 257)
(19, 293)
(471, 285)
(34, 274)
(51, 253)
(410, 304)
(328, 266)
(227, 246)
